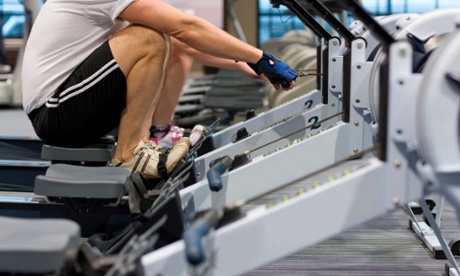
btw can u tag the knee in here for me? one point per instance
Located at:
(150, 41)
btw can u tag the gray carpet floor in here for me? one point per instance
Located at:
(384, 246)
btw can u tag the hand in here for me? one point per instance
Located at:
(277, 72)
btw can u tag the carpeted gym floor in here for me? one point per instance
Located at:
(385, 247)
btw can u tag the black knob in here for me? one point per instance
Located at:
(250, 114)
(241, 134)
(241, 159)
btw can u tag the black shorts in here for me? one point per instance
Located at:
(86, 106)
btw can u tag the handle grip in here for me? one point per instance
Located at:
(194, 250)
(217, 169)
(192, 238)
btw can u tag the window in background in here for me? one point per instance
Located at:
(274, 23)
(12, 16)
(383, 7)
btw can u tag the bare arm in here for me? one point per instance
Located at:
(191, 30)
(213, 61)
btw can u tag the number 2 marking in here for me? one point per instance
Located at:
(314, 120)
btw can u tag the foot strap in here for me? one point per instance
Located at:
(162, 170)
(159, 131)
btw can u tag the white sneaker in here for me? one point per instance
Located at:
(146, 158)
(196, 134)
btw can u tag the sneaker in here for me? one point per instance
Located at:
(146, 158)
(174, 134)
(196, 134)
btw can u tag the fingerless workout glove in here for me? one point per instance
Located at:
(275, 70)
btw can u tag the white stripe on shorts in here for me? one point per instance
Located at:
(84, 85)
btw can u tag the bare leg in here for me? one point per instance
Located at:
(181, 63)
(142, 54)
(179, 69)
(161, 91)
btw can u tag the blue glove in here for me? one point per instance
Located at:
(275, 70)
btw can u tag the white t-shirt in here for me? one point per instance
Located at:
(63, 35)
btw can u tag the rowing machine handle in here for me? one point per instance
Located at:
(194, 250)
(218, 167)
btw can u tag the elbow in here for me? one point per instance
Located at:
(181, 36)
(187, 32)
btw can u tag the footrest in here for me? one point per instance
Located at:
(70, 181)
(36, 246)
(91, 153)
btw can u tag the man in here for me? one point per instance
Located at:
(90, 66)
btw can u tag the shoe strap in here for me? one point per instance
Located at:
(139, 183)
(161, 167)
(138, 202)
(164, 150)
(163, 131)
